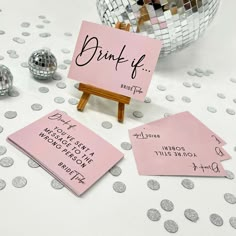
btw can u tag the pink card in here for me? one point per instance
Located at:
(177, 145)
(115, 60)
(68, 150)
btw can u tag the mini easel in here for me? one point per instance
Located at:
(88, 89)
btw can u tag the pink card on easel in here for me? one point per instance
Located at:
(72, 153)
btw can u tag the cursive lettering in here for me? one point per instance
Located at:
(58, 117)
(211, 167)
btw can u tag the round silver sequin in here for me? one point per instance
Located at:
(230, 111)
(221, 95)
(43, 90)
(199, 74)
(1, 129)
(61, 85)
(62, 67)
(191, 73)
(56, 184)
(1, 57)
(186, 99)
(119, 187)
(229, 174)
(199, 70)
(25, 33)
(42, 17)
(44, 35)
(234, 100)
(191, 215)
(187, 183)
(46, 21)
(187, 84)
(18, 40)
(59, 100)
(67, 61)
(232, 220)
(68, 34)
(230, 198)
(73, 101)
(115, 170)
(167, 205)
(147, 100)
(25, 24)
(14, 56)
(2, 32)
(57, 76)
(233, 80)
(212, 109)
(171, 226)
(65, 50)
(209, 71)
(126, 146)
(2, 184)
(196, 85)
(25, 64)
(106, 125)
(19, 182)
(10, 51)
(6, 162)
(167, 114)
(138, 114)
(161, 87)
(40, 26)
(13, 93)
(3, 150)
(33, 164)
(153, 184)
(36, 107)
(153, 214)
(216, 220)
(170, 98)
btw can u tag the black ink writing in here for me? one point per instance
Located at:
(58, 117)
(211, 167)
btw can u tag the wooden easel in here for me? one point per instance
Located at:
(91, 90)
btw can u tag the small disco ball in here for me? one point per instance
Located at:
(42, 64)
(177, 23)
(6, 79)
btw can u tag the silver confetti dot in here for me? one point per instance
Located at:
(212, 109)
(40, 26)
(186, 99)
(153, 184)
(19, 182)
(199, 74)
(6, 162)
(25, 33)
(62, 67)
(2, 184)
(187, 183)
(56, 184)
(3, 150)
(199, 70)
(233, 80)
(119, 187)
(11, 52)
(161, 87)
(206, 73)
(44, 35)
(73, 101)
(187, 84)
(191, 215)
(14, 56)
(43, 90)
(25, 24)
(1, 129)
(234, 100)
(230, 111)
(57, 76)
(147, 100)
(25, 64)
(232, 220)
(68, 34)
(115, 170)
(36, 107)
(76, 85)
(42, 17)
(196, 85)
(167, 114)
(59, 100)
(191, 73)
(65, 50)
(229, 174)
(2, 32)
(167, 205)
(18, 40)
(209, 71)
(171, 226)
(61, 85)
(221, 95)
(46, 21)
(33, 164)
(170, 98)
(1, 57)
(106, 125)
(153, 214)
(216, 220)
(67, 61)
(13, 93)
(126, 146)
(230, 198)
(138, 114)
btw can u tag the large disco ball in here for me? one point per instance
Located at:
(177, 23)
(6, 80)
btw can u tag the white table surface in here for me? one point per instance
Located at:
(38, 209)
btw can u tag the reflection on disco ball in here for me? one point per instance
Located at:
(6, 79)
(177, 23)
(42, 64)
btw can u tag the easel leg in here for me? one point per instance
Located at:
(121, 111)
(83, 101)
